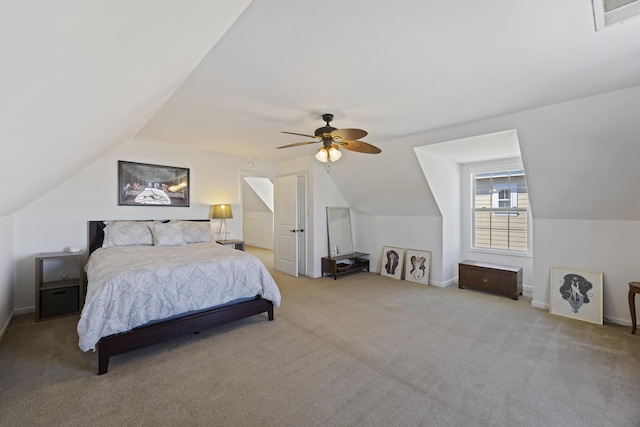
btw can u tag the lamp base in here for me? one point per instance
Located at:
(222, 232)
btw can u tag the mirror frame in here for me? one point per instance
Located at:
(339, 242)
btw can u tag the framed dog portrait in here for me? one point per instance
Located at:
(417, 265)
(576, 293)
(392, 262)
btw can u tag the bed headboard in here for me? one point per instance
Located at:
(96, 231)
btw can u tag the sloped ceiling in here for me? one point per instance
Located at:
(83, 77)
(392, 69)
(78, 77)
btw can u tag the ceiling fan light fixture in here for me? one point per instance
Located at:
(322, 155)
(334, 153)
(333, 139)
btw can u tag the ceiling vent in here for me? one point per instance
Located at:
(612, 12)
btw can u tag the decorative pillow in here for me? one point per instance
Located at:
(169, 234)
(195, 231)
(126, 233)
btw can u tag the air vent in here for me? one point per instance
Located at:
(612, 12)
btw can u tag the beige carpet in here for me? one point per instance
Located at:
(363, 350)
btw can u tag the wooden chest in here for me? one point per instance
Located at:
(504, 279)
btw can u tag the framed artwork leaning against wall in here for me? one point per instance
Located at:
(576, 293)
(417, 266)
(392, 262)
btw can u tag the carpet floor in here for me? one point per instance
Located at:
(363, 350)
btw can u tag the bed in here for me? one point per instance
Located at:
(148, 285)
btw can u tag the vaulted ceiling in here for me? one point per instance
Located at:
(393, 70)
(78, 78)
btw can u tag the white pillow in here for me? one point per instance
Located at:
(126, 233)
(195, 231)
(169, 234)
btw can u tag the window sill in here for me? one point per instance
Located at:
(523, 254)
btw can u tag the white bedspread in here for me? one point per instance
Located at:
(129, 286)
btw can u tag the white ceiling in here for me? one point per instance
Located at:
(391, 70)
(79, 78)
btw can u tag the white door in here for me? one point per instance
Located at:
(286, 224)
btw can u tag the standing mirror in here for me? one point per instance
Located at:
(339, 231)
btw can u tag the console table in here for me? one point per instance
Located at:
(504, 279)
(353, 262)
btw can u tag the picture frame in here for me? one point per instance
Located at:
(417, 266)
(143, 184)
(392, 264)
(576, 293)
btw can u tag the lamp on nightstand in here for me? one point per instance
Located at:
(222, 212)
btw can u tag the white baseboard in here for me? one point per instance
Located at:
(538, 304)
(18, 312)
(444, 284)
(5, 327)
(257, 245)
(609, 319)
(24, 310)
(618, 321)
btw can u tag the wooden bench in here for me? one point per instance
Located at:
(504, 279)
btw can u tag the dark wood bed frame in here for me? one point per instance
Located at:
(158, 332)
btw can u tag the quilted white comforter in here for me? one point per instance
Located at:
(129, 286)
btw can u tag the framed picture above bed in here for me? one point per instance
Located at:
(142, 184)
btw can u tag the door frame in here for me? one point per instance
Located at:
(303, 213)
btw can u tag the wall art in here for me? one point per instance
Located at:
(417, 266)
(141, 184)
(576, 293)
(392, 262)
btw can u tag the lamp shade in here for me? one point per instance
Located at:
(322, 155)
(334, 153)
(222, 211)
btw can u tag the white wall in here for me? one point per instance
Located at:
(570, 205)
(79, 77)
(444, 178)
(410, 232)
(325, 194)
(581, 163)
(257, 219)
(258, 229)
(59, 218)
(606, 246)
(6, 272)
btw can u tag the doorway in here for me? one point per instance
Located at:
(260, 213)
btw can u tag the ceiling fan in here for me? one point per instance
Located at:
(332, 139)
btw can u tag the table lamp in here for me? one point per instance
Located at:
(222, 212)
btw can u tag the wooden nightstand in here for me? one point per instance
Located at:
(56, 298)
(237, 244)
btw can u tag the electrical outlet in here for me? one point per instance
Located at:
(64, 275)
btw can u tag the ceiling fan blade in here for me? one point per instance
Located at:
(349, 134)
(360, 147)
(299, 143)
(302, 134)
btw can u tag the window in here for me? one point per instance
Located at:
(500, 210)
(612, 12)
